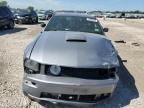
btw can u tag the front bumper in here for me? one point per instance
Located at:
(42, 17)
(24, 20)
(67, 90)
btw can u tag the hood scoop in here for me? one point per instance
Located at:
(75, 38)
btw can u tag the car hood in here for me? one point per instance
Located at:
(24, 14)
(74, 49)
(1, 17)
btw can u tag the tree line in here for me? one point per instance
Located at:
(134, 12)
(3, 3)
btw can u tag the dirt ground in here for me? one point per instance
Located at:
(129, 92)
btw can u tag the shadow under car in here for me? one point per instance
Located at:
(11, 31)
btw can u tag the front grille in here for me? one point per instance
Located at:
(85, 73)
(75, 98)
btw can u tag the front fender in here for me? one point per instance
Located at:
(29, 48)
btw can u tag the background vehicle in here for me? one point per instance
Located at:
(26, 16)
(41, 14)
(45, 15)
(6, 18)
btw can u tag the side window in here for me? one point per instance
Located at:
(8, 11)
(34, 13)
(4, 11)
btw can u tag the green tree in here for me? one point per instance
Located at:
(30, 8)
(3, 3)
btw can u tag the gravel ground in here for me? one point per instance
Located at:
(130, 89)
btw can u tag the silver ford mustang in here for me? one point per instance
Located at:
(71, 61)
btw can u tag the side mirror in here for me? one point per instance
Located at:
(43, 24)
(105, 29)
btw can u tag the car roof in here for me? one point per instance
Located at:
(73, 14)
(4, 10)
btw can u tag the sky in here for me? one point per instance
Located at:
(88, 5)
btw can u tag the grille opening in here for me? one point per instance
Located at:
(85, 73)
(75, 98)
(87, 98)
(47, 95)
(68, 97)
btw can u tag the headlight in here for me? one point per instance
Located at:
(31, 65)
(20, 17)
(55, 70)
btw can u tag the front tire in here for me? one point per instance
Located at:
(36, 21)
(17, 22)
(11, 25)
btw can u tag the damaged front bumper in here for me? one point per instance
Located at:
(67, 90)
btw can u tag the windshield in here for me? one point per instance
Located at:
(41, 12)
(74, 23)
(24, 12)
(21, 12)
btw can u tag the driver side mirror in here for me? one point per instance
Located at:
(43, 25)
(105, 29)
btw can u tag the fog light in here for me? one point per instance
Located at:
(70, 97)
(55, 70)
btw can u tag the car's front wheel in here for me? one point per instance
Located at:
(17, 22)
(11, 25)
(37, 21)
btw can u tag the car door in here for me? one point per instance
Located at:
(3, 17)
(34, 16)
